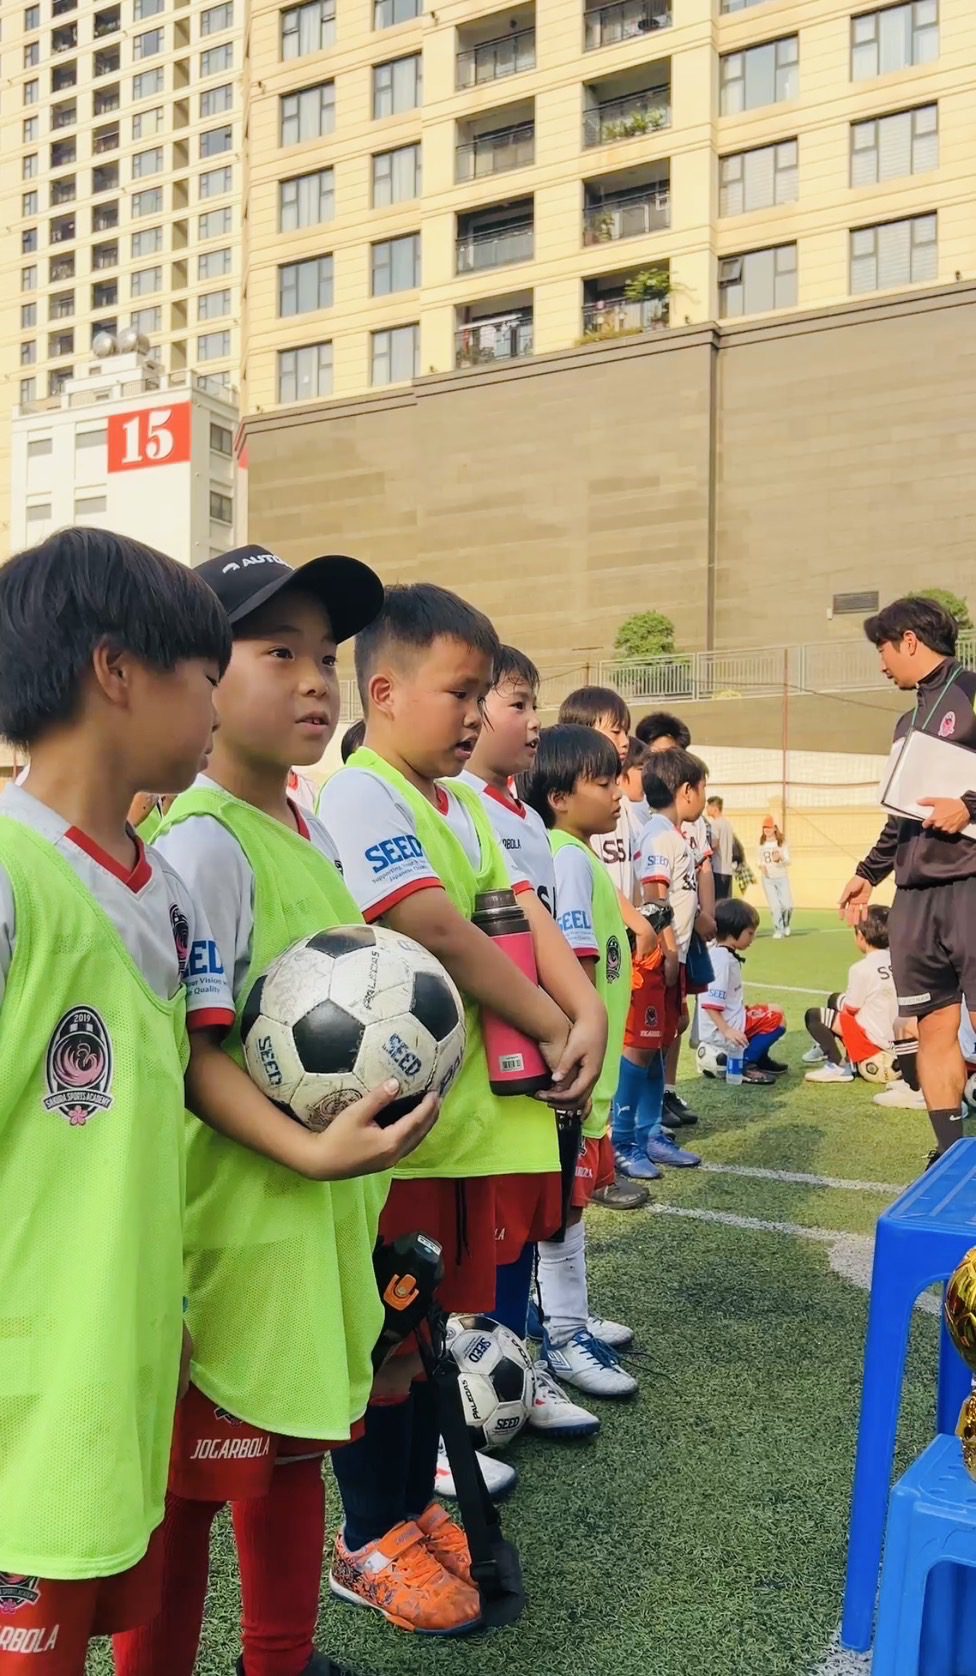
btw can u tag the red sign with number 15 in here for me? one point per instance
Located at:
(149, 436)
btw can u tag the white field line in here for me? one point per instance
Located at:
(781, 988)
(837, 1661)
(799, 1179)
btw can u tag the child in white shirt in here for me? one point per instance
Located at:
(857, 1028)
(725, 1024)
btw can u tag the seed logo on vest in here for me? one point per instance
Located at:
(181, 936)
(79, 1067)
(17, 1591)
(613, 959)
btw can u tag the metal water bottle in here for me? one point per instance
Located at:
(515, 1064)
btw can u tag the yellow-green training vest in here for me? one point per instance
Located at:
(612, 978)
(283, 1306)
(148, 828)
(477, 1133)
(91, 1282)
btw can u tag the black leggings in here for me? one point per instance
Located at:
(820, 1026)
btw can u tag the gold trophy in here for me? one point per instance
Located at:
(960, 1316)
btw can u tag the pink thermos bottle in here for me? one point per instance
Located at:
(515, 1065)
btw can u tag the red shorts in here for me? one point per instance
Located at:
(216, 1457)
(857, 1043)
(596, 1168)
(45, 1627)
(527, 1208)
(647, 1020)
(460, 1215)
(760, 1020)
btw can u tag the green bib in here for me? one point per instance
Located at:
(477, 1133)
(148, 828)
(612, 978)
(284, 1309)
(91, 1285)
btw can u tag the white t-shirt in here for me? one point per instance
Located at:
(375, 833)
(870, 993)
(618, 849)
(774, 859)
(218, 872)
(724, 995)
(159, 920)
(574, 893)
(665, 858)
(699, 841)
(522, 835)
(723, 838)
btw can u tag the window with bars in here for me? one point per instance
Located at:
(305, 372)
(895, 253)
(308, 28)
(306, 200)
(894, 38)
(307, 114)
(305, 286)
(395, 355)
(396, 176)
(757, 282)
(762, 75)
(754, 180)
(397, 85)
(396, 265)
(886, 147)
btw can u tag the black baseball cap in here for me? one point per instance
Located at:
(247, 577)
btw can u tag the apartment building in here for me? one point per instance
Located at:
(121, 184)
(470, 183)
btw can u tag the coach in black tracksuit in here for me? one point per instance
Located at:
(932, 924)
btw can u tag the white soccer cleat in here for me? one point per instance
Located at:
(589, 1364)
(899, 1094)
(613, 1333)
(814, 1055)
(830, 1073)
(500, 1478)
(554, 1413)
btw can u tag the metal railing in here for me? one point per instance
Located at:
(493, 154)
(504, 337)
(495, 249)
(491, 60)
(612, 317)
(603, 26)
(628, 116)
(627, 217)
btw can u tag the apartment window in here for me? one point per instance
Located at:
(61, 343)
(62, 307)
(305, 373)
(216, 18)
(63, 152)
(28, 314)
(32, 55)
(64, 115)
(32, 17)
(148, 83)
(306, 200)
(396, 265)
(221, 507)
(308, 28)
(216, 224)
(30, 166)
(63, 190)
(89, 506)
(305, 286)
(28, 393)
(213, 305)
(216, 140)
(147, 321)
(31, 91)
(147, 202)
(39, 515)
(147, 242)
(759, 76)
(148, 123)
(396, 176)
(388, 12)
(105, 293)
(758, 282)
(62, 229)
(28, 241)
(105, 178)
(215, 264)
(146, 8)
(105, 255)
(895, 253)
(147, 44)
(397, 85)
(212, 345)
(906, 143)
(29, 203)
(28, 352)
(307, 114)
(146, 163)
(216, 60)
(395, 355)
(221, 440)
(28, 278)
(146, 281)
(61, 268)
(894, 38)
(106, 100)
(31, 129)
(754, 180)
(214, 182)
(216, 100)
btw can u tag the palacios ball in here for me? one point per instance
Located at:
(960, 1309)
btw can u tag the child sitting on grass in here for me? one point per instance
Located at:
(726, 1024)
(857, 1029)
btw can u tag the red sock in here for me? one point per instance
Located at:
(168, 1645)
(280, 1545)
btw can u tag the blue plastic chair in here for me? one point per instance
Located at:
(927, 1606)
(919, 1241)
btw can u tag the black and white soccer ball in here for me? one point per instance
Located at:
(710, 1060)
(880, 1068)
(495, 1377)
(339, 1013)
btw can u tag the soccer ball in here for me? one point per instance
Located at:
(340, 1012)
(711, 1060)
(969, 1092)
(495, 1378)
(880, 1068)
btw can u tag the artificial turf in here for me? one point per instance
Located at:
(703, 1532)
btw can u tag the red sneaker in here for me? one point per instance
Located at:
(447, 1542)
(400, 1577)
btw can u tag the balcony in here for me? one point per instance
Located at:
(107, 22)
(487, 53)
(61, 267)
(63, 152)
(62, 230)
(107, 61)
(62, 307)
(643, 112)
(63, 76)
(622, 305)
(105, 217)
(625, 20)
(63, 190)
(64, 38)
(490, 148)
(59, 7)
(105, 293)
(106, 100)
(105, 256)
(492, 338)
(105, 177)
(64, 116)
(627, 205)
(106, 139)
(495, 237)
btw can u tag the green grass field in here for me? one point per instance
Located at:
(703, 1532)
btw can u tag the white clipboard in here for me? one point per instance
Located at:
(923, 766)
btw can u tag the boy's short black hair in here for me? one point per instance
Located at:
(661, 725)
(589, 705)
(935, 627)
(414, 615)
(733, 915)
(352, 739)
(512, 665)
(637, 755)
(566, 754)
(874, 927)
(77, 590)
(715, 802)
(665, 771)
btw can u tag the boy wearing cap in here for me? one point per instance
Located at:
(283, 1305)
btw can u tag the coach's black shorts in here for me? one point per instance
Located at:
(932, 936)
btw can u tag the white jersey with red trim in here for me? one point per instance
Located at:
(724, 995)
(665, 858)
(618, 849)
(151, 907)
(574, 892)
(699, 841)
(522, 835)
(211, 860)
(375, 832)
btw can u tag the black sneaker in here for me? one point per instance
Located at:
(776, 1066)
(623, 1195)
(676, 1113)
